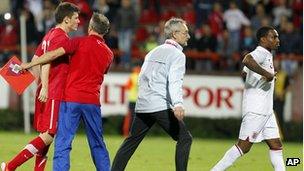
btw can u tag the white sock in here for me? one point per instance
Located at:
(276, 157)
(229, 158)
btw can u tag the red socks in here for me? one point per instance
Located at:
(41, 159)
(28, 152)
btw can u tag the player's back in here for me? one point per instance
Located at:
(88, 65)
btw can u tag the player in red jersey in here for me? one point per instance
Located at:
(90, 60)
(50, 89)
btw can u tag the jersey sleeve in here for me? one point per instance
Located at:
(175, 80)
(109, 64)
(71, 46)
(258, 57)
(39, 50)
(245, 69)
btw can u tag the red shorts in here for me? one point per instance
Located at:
(46, 115)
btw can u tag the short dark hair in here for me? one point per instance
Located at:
(65, 9)
(262, 32)
(100, 23)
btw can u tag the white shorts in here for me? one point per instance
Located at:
(257, 127)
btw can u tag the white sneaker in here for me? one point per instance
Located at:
(3, 166)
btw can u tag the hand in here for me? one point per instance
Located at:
(43, 94)
(179, 112)
(25, 66)
(269, 77)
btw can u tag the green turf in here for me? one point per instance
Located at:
(155, 154)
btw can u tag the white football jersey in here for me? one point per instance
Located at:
(258, 93)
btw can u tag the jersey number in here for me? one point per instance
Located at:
(45, 45)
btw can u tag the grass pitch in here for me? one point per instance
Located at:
(155, 154)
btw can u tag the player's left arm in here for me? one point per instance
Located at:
(36, 70)
(43, 94)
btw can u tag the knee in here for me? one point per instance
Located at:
(245, 150)
(186, 139)
(47, 138)
(244, 146)
(275, 144)
(276, 147)
(190, 138)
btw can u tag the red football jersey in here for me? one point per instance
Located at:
(90, 60)
(59, 67)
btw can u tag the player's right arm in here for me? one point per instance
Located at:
(175, 81)
(250, 63)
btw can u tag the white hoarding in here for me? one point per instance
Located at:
(4, 93)
(204, 96)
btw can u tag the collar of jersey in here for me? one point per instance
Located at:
(174, 43)
(264, 50)
(97, 37)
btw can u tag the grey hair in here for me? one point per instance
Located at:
(173, 25)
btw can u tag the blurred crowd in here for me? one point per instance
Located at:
(221, 31)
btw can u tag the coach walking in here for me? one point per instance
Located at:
(160, 97)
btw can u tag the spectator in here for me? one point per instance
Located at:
(8, 34)
(103, 7)
(188, 14)
(215, 20)
(248, 42)
(112, 41)
(160, 32)
(283, 23)
(207, 43)
(202, 8)
(289, 45)
(265, 22)
(234, 19)
(48, 17)
(36, 8)
(132, 88)
(192, 47)
(9, 37)
(279, 11)
(151, 43)
(32, 34)
(297, 12)
(256, 20)
(125, 25)
(226, 62)
(154, 4)
(280, 89)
